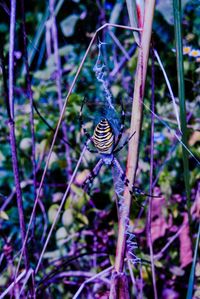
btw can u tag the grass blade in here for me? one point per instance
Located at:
(192, 272)
(181, 92)
(132, 12)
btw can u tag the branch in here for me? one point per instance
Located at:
(136, 118)
(133, 150)
(149, 217)
(58, 82)
(12, 129)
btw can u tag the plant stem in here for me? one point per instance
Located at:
(11, 56)
(181, 92)
(17, 185)
(136, 118)
(149, 217)
(133, 149)
(58, 82)
(30, 96)
(192, 272)
(12, 130)
(33, 156)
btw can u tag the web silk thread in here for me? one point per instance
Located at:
(130, 237)
(99, 69)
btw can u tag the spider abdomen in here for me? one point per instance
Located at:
(103, 137)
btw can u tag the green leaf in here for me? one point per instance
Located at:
(133, 18)
(25, 144)
(2, 158)
(82, 218)
(61, 233)
(53, 160)
(166, 9)
(45, 74)
(181, 92)
(3, 28)
(116, 11)
(68, 49)
(68, 25)
(67, 217)
(3, 215)
(52, 212)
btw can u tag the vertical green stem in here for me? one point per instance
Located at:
(192, 272)
(181, 92)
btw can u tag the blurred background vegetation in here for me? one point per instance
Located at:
(84, 240)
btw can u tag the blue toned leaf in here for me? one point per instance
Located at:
(166, 9)
(68, 25)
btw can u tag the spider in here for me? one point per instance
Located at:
(106, 144)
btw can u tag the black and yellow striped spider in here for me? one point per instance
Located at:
(106, 144)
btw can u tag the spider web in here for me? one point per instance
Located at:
(130, 236)
(108, 111)
(101, 75)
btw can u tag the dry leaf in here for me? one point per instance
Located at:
(194, 138)
(158, 228)
(82, 176)
(195, 209)
(169, 294)
(159, 225)
(185, 243)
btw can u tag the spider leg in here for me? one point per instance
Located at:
(126, 181)
(125, 143)
(82, 125)
(139, 191)
(122, 125)
(120, 180)
(91, 150)
(88, 182)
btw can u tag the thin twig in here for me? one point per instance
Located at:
(12, 130)
(28, 275)
(122, 62)
(171, 240)
(76, 274)
(12, 285)
(104, 272)
(119, 45)
(170, 89)
(71, 257)
(30, 97)
(7, 200)
(131, 274)
(174, 134)
(45, 226)
(149, 237)
(58, 82)
(60, 208)
(11, 57)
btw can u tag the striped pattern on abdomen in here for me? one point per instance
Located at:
(103, 137)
